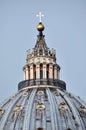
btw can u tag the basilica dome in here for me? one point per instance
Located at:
(42, 101)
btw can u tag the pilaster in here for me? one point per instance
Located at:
(44, 71)
(31, 72)
(38, 71)
(51, 71)
(24, 74)
(55, 72)
(27, 73)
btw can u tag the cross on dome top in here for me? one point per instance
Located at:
(40, 15)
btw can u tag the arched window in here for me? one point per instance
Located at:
(29, 72)
(47, 71)
(34, 71)
(41, 71)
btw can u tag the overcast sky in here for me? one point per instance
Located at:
(65, 31)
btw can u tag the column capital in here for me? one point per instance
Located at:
(26, 66)
(57, 66)
(38, 70)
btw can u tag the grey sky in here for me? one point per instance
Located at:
(65, 31)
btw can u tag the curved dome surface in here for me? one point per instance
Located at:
(43, 108)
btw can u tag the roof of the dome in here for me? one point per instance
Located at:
(41, 44)
(43, 109)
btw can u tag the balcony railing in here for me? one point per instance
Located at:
(52, 82)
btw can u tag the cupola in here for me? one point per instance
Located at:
(41, 67)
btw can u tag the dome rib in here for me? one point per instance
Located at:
(54, 119)
(28, 111)
(58, 100)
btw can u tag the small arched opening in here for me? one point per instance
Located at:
(47, 71)
(28, 72)
(34, 70)
(41, 71)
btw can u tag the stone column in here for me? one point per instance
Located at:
(55, 72)
(44, 71)
(38, 71)
(31, 72)
(26, 73)
(51, 71)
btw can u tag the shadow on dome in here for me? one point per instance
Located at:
(40, 128)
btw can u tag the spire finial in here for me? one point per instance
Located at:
(40, 15)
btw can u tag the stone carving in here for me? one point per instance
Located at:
(40, 106)
(40, 93)
(82, 109)
(17, 111)
(63, 106)
(1, 111)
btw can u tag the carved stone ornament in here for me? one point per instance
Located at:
(1, 111)
(18, 108)
(82, 109)
(63, 106)
(40, 106)
(40, 93)
(17, 111)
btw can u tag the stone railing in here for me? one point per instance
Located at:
(52, 82)
(41, 52)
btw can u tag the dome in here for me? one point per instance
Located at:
(42, 101)
(43, 109)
